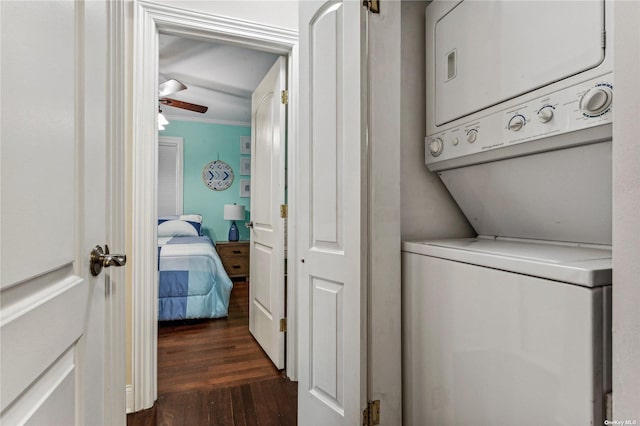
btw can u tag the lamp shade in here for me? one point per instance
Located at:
(233, 212)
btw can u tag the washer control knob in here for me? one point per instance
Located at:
(472, 135)
(516, 123)
(545, 114)
(596, 100)
(436, 146)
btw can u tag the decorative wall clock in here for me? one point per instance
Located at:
(217, 175)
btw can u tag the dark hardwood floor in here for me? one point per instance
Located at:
(212, 372)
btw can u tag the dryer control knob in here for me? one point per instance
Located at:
(597, 100)
(545, 114)
(472, 135)
(436, 146)
(516, 123)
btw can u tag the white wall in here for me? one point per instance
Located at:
(626, 208)
(427, 209)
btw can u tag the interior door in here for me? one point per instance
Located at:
(266, 289)
(53, 212)
(332, 217)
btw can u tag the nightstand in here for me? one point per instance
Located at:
(235, 257)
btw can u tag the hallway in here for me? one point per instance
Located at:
(212, 372)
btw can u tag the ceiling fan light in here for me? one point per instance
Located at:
(162, 121)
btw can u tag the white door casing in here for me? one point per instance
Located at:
(59, 122)
(149, 19)
(266, 287)
(332, 227)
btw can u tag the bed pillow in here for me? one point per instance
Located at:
(194, 220)
(177, 228)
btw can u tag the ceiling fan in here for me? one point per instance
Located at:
(172, 86)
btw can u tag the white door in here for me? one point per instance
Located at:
(332, 219)
(53, 211)
(170, 175)
(266, 289)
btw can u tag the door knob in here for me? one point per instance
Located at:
(249, 224)
(103, 259)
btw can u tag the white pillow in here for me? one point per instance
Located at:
(191, 218)
(176, 228)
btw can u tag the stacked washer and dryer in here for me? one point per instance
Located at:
(514, 326)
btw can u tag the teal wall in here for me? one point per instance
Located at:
(203, 143)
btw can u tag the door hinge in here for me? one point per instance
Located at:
(284, 211)
(285, 97)
(371, 414)
(372, 6)
(283, 325)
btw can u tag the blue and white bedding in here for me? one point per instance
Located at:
(192, 280)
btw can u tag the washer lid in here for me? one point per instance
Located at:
(585, 266)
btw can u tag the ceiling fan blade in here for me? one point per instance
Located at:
(184, 105)
(170, 87)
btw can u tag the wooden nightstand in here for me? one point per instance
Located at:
(235, 257)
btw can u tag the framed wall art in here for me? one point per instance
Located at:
(245, 166)
(245, 188)
(245, 145)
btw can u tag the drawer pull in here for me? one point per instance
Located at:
(236, 266)
(237, 251)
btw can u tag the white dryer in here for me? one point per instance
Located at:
(513, 327)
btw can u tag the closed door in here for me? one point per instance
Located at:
(332, 219)
(53, 212)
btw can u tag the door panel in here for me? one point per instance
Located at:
(266, 290)
(332, 380)
(37, 130)
(326, 128)
(53, 211)
(328, 298)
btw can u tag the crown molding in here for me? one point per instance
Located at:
(173, 118)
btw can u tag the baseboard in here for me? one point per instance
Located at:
(129, 399)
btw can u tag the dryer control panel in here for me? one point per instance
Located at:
(584, 105)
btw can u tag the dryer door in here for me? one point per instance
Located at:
(489, 52)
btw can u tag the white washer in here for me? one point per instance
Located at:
(513, 327)
(500, 331)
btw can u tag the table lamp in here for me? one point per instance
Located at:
(233, 212)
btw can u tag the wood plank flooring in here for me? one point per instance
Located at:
(212, 372)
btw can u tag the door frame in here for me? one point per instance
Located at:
(149, 20)
(115, 280)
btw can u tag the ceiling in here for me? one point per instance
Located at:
(219, 76)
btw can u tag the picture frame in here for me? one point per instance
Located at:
(245, 145)
(245, 166)
(245, 188)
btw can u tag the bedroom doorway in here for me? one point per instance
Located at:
(208, 338)
(210, 29)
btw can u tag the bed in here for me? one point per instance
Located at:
(192, 282)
